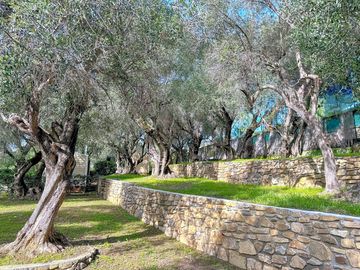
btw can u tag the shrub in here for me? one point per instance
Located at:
(105, 167)
(6, 179)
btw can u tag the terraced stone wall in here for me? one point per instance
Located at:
(247, 235)
(292, 172)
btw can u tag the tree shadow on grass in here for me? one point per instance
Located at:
(6, 201)
(75, 220)
(148, 232)
(12, 202)
(196, 263)
(125, 177)
(81, 221)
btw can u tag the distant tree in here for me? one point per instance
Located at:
(127, 141)
(150, 102)
(238, 77)
(23, 154)
(193, 99)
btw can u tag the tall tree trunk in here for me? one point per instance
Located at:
(226, 145)
(332, 184)
(156, 169)
(160, 157)
(19, 186)
(194, 148)
(229, 151)
(286, 138)
(165, 161)
(38, 234)
(39, 174)
(245, 143)
(156, 158)
(131, 165)
(298, 142)
(310, 119)
(118, 160)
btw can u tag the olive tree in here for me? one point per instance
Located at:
(57, 59)
(313, 45)
(49, 62)
(284, 39)
(148, 97)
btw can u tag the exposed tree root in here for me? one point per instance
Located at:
(36, 246)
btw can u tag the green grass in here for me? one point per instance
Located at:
(299, 198)
(124, 241)
(338, 152)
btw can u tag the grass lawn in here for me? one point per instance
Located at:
(124, 241)
(338, 152)
(300, 198)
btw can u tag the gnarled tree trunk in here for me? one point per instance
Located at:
(332, 184)
(38, 234)
(39, 174)
(229, 151)
(195, 147)
(119, 165)
(161, 146)
(225, 147)
(165, 161)
(245, 146)
(245, 143)
(298, 140)
(303, 99)
(19, 186)
(156, 158)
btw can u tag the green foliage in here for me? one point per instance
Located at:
(6, 179)
(327, 33)
(126, 177)
(299, 198)
(105, 167)
(338, 152)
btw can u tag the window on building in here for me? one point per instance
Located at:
(254, 139)
(332, 124)
(267, 137)
(357, 119)
(357, 124)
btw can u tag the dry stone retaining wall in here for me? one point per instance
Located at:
(293, 172)
(247, 235)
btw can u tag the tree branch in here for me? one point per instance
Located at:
(300, 65)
